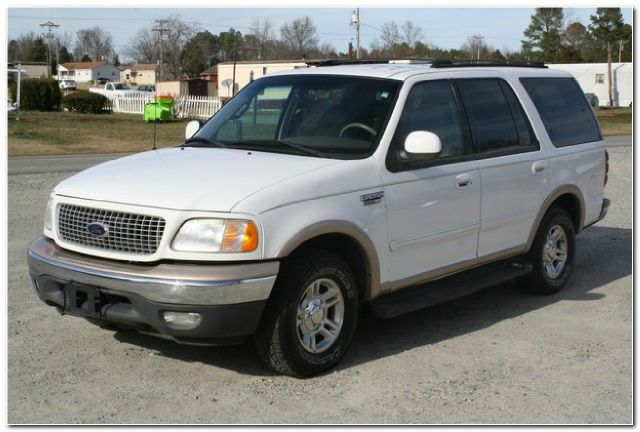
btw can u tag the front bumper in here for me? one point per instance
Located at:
(229, 298)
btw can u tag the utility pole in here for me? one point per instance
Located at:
(355, 21)
(478, 39)
(161, 30)
(49, 36)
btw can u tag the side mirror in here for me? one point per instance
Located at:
(422, 145)
(192, 127)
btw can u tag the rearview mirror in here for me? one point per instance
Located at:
(192, 127)
(422, 145)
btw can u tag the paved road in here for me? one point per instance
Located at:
(498, 356)
(45, 164)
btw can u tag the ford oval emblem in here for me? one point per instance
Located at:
(97, 229)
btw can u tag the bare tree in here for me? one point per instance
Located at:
(19, 46)
(144, 47)
(412, 33)
(263, 34)
(94, 42)
(476, 47)
(390, 38)
(300, 35)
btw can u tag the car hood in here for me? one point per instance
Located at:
(206, 179)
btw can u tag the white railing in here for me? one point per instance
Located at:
(133, 102)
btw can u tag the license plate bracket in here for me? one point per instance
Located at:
(83, 300)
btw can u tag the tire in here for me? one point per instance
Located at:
(300, 334)
(550, 272)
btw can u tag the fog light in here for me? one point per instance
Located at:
(182, 320)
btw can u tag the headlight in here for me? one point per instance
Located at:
(48, 215)
(216, 235)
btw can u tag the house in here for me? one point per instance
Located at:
(141, 74)
(88, 71)
(210, 74)
(592, 77)
(31, 69)
(247, 71)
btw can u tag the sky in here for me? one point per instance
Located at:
(444, 27)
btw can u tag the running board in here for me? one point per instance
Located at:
(448, 288)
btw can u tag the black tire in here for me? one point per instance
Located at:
(538, 281)
(277, 339)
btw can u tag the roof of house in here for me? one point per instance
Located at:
(83, 65)
(213, 70)
(143, 67)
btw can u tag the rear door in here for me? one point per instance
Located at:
(513, 168)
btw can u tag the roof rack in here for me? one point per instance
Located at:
(475, 63)
(339, 62)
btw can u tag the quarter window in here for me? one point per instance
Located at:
(564, 110)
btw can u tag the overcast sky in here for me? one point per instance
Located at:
(446, 28)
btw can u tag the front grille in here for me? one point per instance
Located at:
(125, 232)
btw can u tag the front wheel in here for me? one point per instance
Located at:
(311, 317)
(551, 254)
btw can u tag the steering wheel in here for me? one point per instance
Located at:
(369, 129)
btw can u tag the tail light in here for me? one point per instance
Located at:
(606, 167)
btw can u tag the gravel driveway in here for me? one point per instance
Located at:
(499, 356)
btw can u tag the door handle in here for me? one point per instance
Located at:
(538, 167)
(464, 180)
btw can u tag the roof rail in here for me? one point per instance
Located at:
(476, 63)
(338, 62)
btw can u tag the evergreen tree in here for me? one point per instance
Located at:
(545, 33)
(85, 58)
(37, 51)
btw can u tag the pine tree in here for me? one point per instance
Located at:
(545, 33)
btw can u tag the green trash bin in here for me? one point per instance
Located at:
(160, 110)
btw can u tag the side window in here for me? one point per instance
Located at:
(495, 116)
(431, 106)
(564, 110)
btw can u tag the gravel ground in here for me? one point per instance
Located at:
(498, 356)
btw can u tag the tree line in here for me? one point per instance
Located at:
(188, 49)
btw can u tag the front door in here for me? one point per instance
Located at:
(433, 206)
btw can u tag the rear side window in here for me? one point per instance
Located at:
(563, 109)
(495, 116)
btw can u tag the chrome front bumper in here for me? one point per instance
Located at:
(181, 284)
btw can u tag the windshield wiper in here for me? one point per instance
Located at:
(298, 147)
(193, 142)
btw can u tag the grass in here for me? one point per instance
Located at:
(62, 133)
(615, 121)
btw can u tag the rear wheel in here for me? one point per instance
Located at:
(551, 254)
(310, 319)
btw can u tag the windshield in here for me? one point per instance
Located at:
(121, 87)
(314, 115)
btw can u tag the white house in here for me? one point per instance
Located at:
(246, 71)
(593, 79)
(88, 71)
(142, 73)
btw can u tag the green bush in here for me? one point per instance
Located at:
(37, 94)
(86, 102)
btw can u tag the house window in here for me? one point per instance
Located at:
(599, 78)
(264, 71)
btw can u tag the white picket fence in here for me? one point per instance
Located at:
(186, 106)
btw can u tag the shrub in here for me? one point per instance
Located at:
(37, 94)
(85, 102)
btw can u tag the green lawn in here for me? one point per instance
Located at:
(615, 121)
(51, 133)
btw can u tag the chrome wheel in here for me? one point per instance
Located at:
(555, 252)
(320, 315)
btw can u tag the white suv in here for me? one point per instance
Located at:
(317, 190)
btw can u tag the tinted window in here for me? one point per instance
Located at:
(563, 109)
(493, 126)
(431, 106)
(525, 133)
